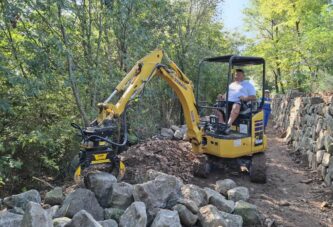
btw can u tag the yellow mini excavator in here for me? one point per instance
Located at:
(246, 140)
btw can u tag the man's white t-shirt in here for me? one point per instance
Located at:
(237, 89)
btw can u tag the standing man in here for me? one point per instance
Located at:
(267, 107)
(239, 90)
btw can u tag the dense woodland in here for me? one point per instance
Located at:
(59, 58)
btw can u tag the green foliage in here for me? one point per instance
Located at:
(58, 59)
(295, 38)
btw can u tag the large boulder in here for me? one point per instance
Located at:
(211, 193)
(210, 216)
(113, 213)
(108, 223)
(192, 206)
(178, 134)
(81, 199)
(219, 201)
(17, 210)
(248, 212)
(328, 141)
(186, 217)
(21, 200)
(54, 197)
(326, 159)
(61, 222)
(52, 211)
(163, 192)
(101, 184)
(8, 219)
(167, 133)
(36, 216)
(238, 193)
(134, 216)
(319, 156)
(83, 218)
(153, 175)
(166, 218)
(195, 193)
(121, 196)
(223, 186)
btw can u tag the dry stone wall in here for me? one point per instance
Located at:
(306, 122)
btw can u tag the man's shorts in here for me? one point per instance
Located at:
(223, 105)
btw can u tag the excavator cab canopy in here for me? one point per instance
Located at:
(236, 60)
(233, 61)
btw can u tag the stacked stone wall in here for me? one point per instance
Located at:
(306, 123)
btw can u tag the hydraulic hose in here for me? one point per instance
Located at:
(111, 142)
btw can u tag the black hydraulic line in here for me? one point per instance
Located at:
(111, 142)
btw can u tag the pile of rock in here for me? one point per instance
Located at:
(307, 121)
(174, 132)
(163, 200)
(168, 156)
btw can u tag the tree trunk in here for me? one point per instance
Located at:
(70, 70)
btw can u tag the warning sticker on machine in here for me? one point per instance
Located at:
(259, 141)
(237, 143)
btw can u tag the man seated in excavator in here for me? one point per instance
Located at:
(240, 91)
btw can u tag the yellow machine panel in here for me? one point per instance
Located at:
(238, 147)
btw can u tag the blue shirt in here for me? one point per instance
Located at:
(267, 103)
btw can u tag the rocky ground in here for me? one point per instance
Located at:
(292, 196)
(162, 200)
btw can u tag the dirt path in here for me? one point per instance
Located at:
(289, 197)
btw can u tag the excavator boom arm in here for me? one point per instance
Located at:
(144, 70)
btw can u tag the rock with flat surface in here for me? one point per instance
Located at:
(195, 193)
(210, 216)
(134, 216)
(52, 211)
(238, 193)
(153, 175)
(166, 218)
(21, 200)
(178, 134)
(219, 201)
(81, 199)
(212, 193)
(167, 133)
(113, 213)
(8, 219)
(326, 159)
(101, 184)
(248, 212)
(36, 216)
(54, 197)
(83, 219)
(121, 196)
(61, 222)
(223, 186)
(17, 210)
(189, 205)
(108, 223)
(174, 127)
(186, 217)
(163, 192)
(319, 156)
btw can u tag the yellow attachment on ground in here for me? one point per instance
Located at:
(99, 157)
(77, 174)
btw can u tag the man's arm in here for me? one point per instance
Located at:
(248, 98)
